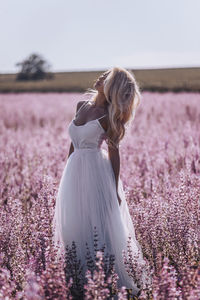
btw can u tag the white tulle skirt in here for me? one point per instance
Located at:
(86, 199)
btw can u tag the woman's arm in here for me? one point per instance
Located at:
(71, 149)
(115, 161)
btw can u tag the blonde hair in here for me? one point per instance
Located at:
(123, 94)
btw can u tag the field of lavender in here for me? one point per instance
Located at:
(160, 171)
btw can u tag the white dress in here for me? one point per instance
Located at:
(87, 197)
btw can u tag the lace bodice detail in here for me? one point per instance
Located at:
(89, 135)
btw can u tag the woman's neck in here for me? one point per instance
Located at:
(100, 101)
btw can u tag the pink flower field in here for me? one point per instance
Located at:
(160, 171)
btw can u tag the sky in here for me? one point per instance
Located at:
(81, 35)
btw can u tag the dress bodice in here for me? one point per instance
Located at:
(89, 135)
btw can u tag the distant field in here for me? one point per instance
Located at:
(173, 79)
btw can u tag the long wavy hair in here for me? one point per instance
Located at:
(123, 95)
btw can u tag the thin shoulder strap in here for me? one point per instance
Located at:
(81, 107)
(101, 117)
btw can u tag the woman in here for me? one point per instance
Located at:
(90, 192)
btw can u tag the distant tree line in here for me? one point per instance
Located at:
(35, 67)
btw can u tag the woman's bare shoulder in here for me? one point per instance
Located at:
(104, 121)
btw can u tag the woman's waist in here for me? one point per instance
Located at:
(85, 149)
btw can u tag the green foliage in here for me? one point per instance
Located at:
(34, 68)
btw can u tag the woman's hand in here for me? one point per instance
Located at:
(119, 199)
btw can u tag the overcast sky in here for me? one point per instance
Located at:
(90, 34)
